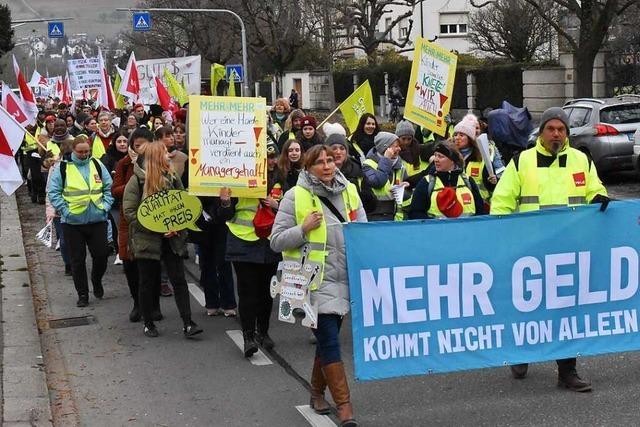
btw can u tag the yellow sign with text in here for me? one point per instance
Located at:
(169, 210)
(430, 89)
(227, 146)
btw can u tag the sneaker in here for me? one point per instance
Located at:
(230, 312)
(67, 270)
(58, 245)
(214, 311)
(83, 301)
(150, 330)
(165, 290)
(98, 291)
(264, 340)
(191, 329)
(117, 261)
(250, 345)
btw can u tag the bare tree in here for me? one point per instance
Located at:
(361, 20)
(595, 18)
(511, 29)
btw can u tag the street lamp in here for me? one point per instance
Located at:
(245, 86)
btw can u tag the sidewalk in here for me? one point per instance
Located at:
(24, 385)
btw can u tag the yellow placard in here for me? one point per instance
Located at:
(227, 146)
(431, 86)
(169, 210)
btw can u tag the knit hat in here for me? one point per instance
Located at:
(309, 121)
(82, 117)
(448, 202)
(404, 128)
(272, 149)
(449, 150)
(334, 134)
(554, 113)
(466, 127)
(384, 140)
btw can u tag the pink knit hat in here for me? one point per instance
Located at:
(466, 127)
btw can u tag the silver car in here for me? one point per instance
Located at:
(604, 129)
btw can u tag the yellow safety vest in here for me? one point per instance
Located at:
(305, 203)
(30, 143)
(78, 192)
(474, 171)
(54, 148)
(97, 150)
(463, 194)
(241, 225)
(412, 170)
(384, 194)
(564, 182)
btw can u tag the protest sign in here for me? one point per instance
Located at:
(525, 288)
(430, 86)
(169, 210)
(227, 146)
(84, 73)
(186, 70)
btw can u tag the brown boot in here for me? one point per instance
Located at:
(337, 382)
(318, 385)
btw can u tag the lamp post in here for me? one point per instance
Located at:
(243, 34)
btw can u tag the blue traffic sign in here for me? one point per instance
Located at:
(235, 73)
(141, 21)
(55, 30)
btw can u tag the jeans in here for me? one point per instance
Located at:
(64, 252)
(216, 276)
(147, 281)
(254, 295)
(328, 345)
(78, 238)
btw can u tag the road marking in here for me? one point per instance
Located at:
(258, 359)
(197, 293)
(314, 419)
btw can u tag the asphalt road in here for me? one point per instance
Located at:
(119, 377)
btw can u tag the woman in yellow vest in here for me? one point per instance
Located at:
(310, 221)
(151, 175)
(415, 156)
(464, 136)
(362, 139)
(292, 125)
(446, 192)
(253, 260)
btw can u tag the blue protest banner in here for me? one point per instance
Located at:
(439, 296)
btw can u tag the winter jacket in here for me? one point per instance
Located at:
(421, 200)
(378, 178)
(124, 171)
(143, 243)
(92, 214)
(332, 297)
(111, 158)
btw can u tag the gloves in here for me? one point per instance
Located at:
(603, 200)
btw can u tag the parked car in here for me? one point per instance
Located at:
(604, 129)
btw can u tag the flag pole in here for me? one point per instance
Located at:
(331, 114)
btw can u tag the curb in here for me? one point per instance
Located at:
(24, 384)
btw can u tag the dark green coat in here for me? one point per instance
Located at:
(143, 243)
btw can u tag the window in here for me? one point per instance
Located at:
(387, 24)
(404, 33)
(579, 117)
(620, 114)
(453, 23)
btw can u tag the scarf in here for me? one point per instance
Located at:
(106, 135)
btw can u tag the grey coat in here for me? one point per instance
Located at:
(332, 296)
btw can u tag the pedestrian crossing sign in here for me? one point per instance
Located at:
(55, 30)
(141, 21)
(234, 73)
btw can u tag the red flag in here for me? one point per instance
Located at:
(66, 90)
(105, 92)
(29, 101)
(13, 105)
(164, 98)
(11, 135)
(59, 88)
(130, 86)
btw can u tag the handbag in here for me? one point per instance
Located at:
(263, 221)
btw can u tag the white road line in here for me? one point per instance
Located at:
(197, 293)
(316, 420)
(258, 359)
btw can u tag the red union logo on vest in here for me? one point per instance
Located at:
(475, 172)
(466, 198)
(579, 179)
(97, 179)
